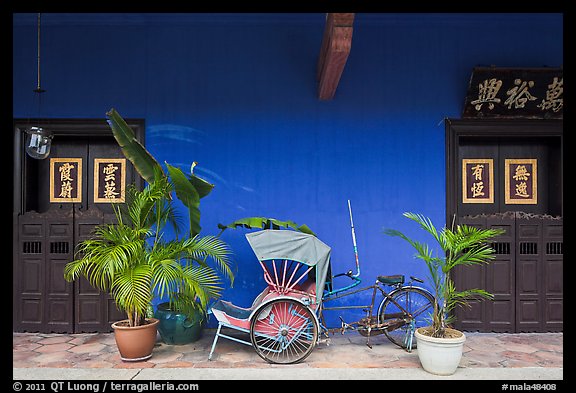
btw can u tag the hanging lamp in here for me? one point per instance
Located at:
(38, 140)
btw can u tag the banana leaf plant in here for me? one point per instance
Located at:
(202, 282)
(189, 188)
(265, 223)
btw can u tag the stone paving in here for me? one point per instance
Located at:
(98, 350)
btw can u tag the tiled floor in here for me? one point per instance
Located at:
(97, 350)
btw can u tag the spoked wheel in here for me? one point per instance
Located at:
(418, 303)
(283, 331)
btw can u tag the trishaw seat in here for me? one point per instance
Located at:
(232, 310)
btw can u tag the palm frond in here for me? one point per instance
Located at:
(201, 248)
(426, 224)
(457, 298)
(166, 267)
(166, 275)
(131, 290)
(204, 282)
(472, 256)
(113, 249)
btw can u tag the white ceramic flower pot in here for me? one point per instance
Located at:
(440, 356)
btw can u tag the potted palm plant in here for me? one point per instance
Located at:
(439, 345)
(132, 261)
(183, 315)
(135, 263)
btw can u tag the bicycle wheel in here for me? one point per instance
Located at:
(418, 302)
(283, 331)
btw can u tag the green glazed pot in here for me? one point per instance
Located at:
(175, 328)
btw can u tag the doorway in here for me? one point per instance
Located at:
(57, 203)
(507, 174)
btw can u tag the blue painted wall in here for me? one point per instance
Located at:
(238, 94)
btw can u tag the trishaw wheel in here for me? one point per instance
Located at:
(283, 331)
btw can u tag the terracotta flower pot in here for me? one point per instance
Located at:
(135, 343)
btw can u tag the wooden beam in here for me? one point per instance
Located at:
(336, 45)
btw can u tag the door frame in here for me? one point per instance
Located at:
(458, 132)
(80, 127)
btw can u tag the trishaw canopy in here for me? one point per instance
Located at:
(301, 247)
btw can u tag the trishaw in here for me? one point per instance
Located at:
(285, 320)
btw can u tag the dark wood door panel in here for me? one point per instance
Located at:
(46, 234)
(553, 280)
(498, 277)
(44, 298)
(528, 315)
(526, 276)
(90, 305)
(554, 315)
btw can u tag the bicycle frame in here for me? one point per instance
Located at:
(370, 324)
(337, 294)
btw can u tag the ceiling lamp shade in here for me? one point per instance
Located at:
(38, 142)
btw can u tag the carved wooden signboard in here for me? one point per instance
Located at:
(515, 93)
(521, 178)
(109, 180)
(477, 180)
(65, 180)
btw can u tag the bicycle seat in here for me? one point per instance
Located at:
(391, 280)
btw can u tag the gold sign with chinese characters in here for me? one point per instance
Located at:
(515, 92)
(478, 180)
(65, 180)
(521, 178)
(109, 180)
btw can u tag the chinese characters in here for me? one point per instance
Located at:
(109, 180)
(487, 91)
(534, 93)
(553, 99)
(521, 181)
(65, 180)
(477, 183)
(519, 94)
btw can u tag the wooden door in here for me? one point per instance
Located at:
(526, 275)
(48, 228)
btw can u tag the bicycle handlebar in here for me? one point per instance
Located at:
(350, 275)
(357, 280)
